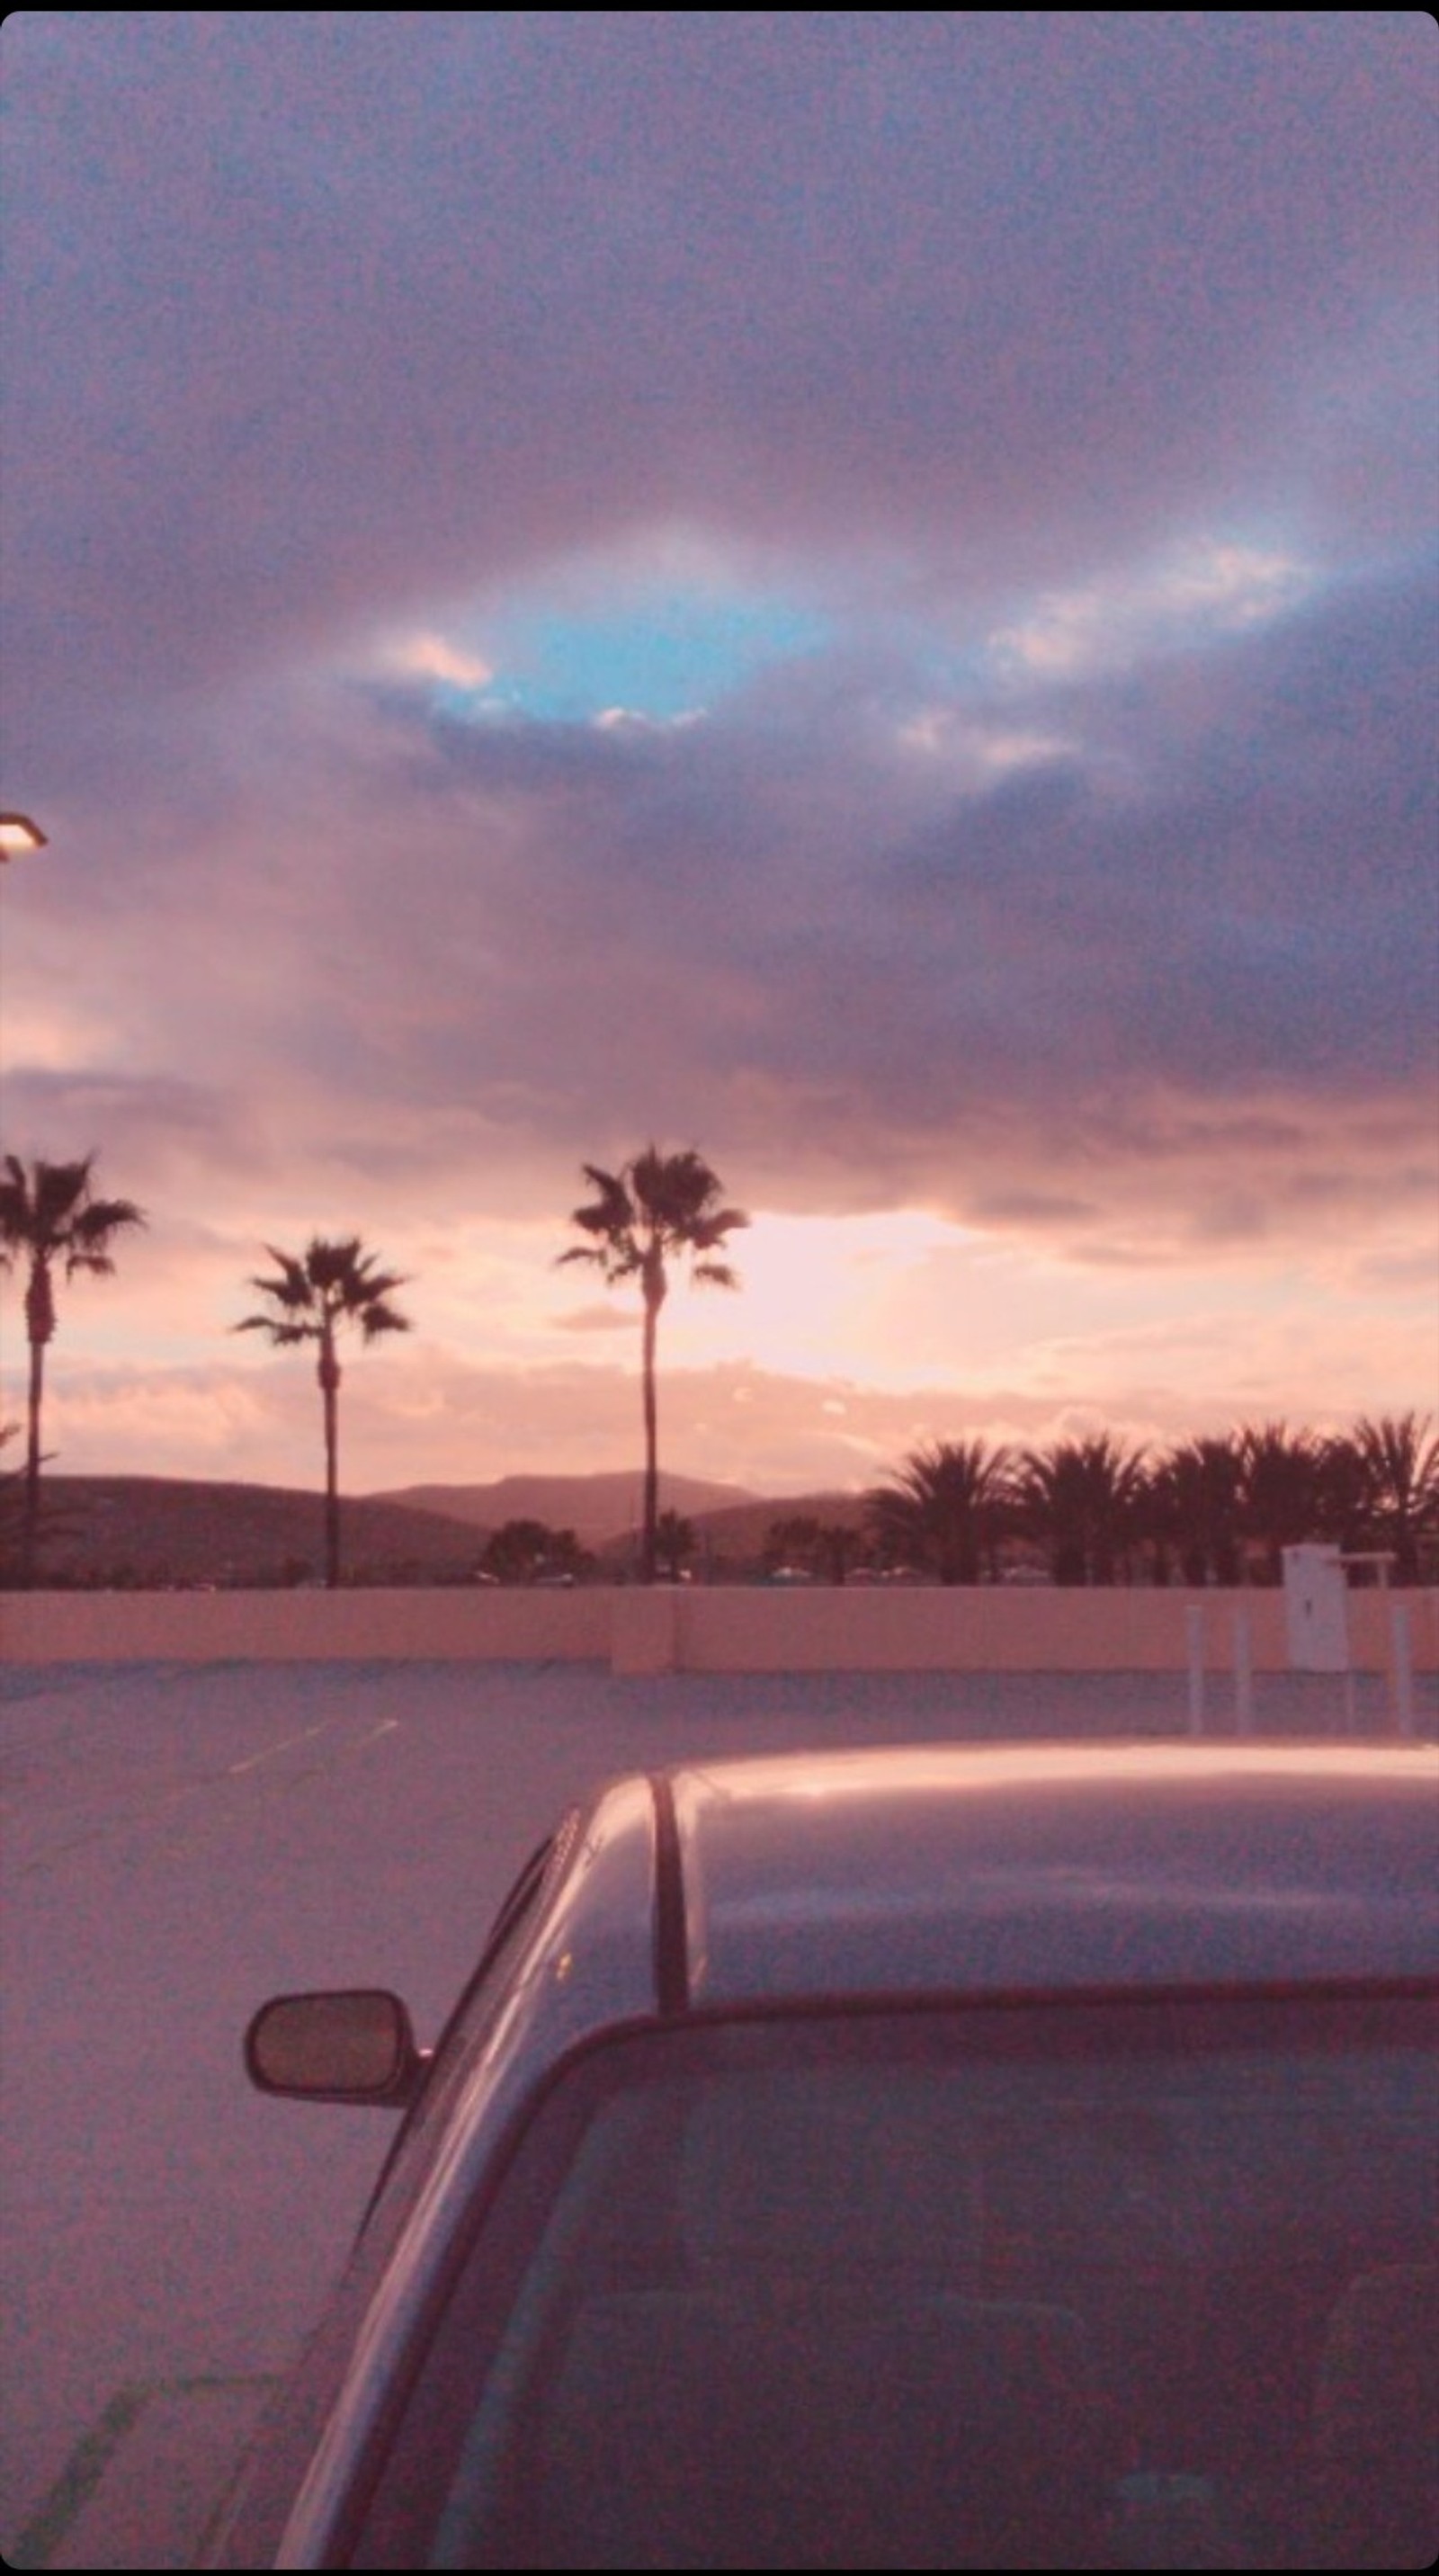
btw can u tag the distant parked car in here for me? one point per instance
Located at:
(998, 2157)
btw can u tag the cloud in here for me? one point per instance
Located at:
(442, 947)
(597, 1319)
(1011, 291)
(429, 657)
(1206, 590)
(855, 591)
(757, 1427)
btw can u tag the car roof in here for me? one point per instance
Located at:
(930, 1869)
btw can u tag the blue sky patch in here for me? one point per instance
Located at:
(660, 652)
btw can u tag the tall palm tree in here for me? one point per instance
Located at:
(659, 1208)
(943, 1507)
(48, 1216)
(332, 1285)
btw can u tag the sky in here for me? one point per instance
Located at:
(852, 591)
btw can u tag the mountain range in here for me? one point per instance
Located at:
(146, 1530)
(597, 1508)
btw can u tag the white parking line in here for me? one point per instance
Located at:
(253, 1761)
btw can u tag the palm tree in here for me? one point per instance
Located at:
(1344, 1493)
(840, 1547)
(944, 1507)
(674, 1542)
(825, 1549)
(333, 1285)
(1084, 1496)
(658, 1208)
(48, 1215)
(1283, 1496)
(529, 1551)
(794, 1546)
(1195, 1496)
(1401, 1462)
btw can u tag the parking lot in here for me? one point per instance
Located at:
(184, 1839)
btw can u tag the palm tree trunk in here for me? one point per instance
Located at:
(30, 1531)
(652, 1473)
(329, 1374)
(39, 1326)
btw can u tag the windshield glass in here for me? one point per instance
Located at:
(1078, 2285)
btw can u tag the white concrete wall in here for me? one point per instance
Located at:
(992, 1628)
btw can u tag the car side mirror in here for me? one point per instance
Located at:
(351, 2046)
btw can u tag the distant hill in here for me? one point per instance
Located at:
(597, 1508)
(742, 1529)
(152, 1530)
(168, 1529)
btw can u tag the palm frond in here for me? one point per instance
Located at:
(57, 1190)
(281, 1334)
(49, 1213)
(612, 1211)
(376, 1318)
(332, 1283)
(292, 1288)
(98, 1219)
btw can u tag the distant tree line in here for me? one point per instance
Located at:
(1209, 1510)
(529, 1551)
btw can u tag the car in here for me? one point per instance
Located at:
(1003, 2156)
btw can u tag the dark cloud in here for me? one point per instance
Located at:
(411, 939)
(309, 315)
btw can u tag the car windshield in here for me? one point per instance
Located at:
(1080, 2285)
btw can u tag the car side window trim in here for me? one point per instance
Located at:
(672, 1975)
(515, 1908)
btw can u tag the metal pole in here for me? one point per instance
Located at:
(1401, 1670)
(1194, 1625)
(1243, 1675)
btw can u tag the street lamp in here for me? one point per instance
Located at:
(17, 834)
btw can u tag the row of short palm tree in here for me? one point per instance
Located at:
(1211, 1510)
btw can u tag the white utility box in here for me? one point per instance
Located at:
(1316, 1609)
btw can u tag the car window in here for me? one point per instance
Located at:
(1069, 2285)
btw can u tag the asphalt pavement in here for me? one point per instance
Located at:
(182, 1840)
